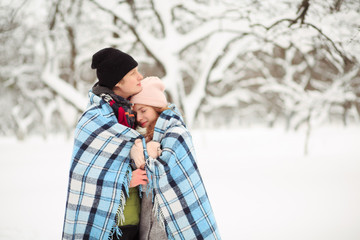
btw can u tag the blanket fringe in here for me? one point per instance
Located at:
(116, 230)
(120, 218)
(157, 212)
(149, 186)
(160, 216)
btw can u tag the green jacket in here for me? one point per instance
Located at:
(132, 208)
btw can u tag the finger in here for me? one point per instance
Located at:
(140, 171)
(138, 143)
(152, 144)
(143, 182)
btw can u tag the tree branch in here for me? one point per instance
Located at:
(337, 6)
(133, 30)
(53, 19)
(158, 17)
(303, 8)
(344, 57)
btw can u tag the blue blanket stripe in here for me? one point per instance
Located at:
(170, 211)
(98, 174)
(86, 174)
(100, 171)
(107, 166)
(179, 189)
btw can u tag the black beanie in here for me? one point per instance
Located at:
(111, 66)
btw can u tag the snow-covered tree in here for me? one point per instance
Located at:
(221, 60)
(279, 69)
(24, 98)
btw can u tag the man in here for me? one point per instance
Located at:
(101, 179)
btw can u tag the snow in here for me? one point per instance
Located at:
(260, 184)
(65, 90)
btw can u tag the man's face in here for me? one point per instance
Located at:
(129, 85)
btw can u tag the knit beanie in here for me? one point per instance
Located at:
(152, 93)
(111, 66)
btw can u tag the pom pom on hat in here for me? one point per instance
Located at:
(152, 93)
(111, 66)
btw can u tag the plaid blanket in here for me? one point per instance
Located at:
(100, 173)
(181, 202)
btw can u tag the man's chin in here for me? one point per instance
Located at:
(139, 90)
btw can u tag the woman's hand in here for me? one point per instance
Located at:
(138, 177)
(153, 149)
(137, 154)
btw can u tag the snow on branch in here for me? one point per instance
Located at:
(64, 89)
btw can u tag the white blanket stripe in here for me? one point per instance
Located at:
(98, 175)
(181, 200)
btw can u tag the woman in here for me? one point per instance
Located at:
(181, 204)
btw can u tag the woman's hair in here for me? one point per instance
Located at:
(150, 129)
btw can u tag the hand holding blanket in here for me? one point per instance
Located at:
(138, 177)
(137, 154)
(153, 149)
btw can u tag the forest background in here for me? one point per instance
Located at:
(225, 63)
(270, 91)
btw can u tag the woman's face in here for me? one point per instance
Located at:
(145, 115)
(129, 85)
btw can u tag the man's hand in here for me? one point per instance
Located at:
(153, 149)
(137, 154)
(138, 177)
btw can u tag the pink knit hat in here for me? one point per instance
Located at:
(152, 93)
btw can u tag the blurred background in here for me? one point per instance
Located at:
(225, 62)
(270, 91)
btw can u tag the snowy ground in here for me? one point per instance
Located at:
(259, 183)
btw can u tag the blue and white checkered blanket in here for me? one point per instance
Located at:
(100, 173)
(181, 202)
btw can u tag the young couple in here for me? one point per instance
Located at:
(127, 185)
